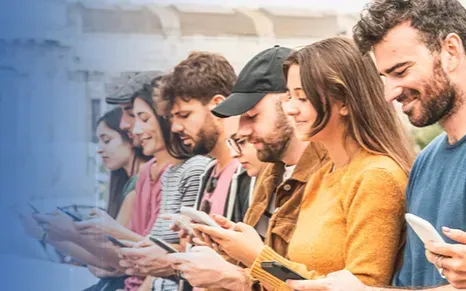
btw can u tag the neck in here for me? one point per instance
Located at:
(455, 125)
(341, 150)
(221, 153)
(128, 166)
(294, 151)
(164, 158)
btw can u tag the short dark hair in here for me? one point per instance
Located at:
(201, 76)
(435, 19)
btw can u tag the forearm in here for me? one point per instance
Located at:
(79, 253)
(104, 252)
(439, 288)
(273, 283)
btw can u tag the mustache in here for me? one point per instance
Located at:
(408, 94)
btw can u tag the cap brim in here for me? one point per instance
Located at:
(118, 100)
(237, 104)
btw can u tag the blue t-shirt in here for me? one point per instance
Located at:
(436, 192)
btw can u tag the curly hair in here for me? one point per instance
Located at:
(435, 19)
(201, 76)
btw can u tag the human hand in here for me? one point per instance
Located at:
(145, 259)
(338, 281)
(450, 258)
(204, 268)
(58, 227)
(241, 242)
(100, 224)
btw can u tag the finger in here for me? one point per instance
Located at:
(133, 252)
(208, 240)
(431, 257)
(240, 226)
(177, 259)
(443, 249)
(143, 244)
(80, 225)
(213, 232)
(42, 218)
(451, 264)
(455, 234)
(317, 285)
(223, 222)
(169, 216)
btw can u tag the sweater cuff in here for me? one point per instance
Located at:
(268, 254)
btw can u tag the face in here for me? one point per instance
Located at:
(297, 106)
(127, 122)
(245, 152)
(147, 128)
(115, 152)
(196, 126)
(414, 76)
(267, 128)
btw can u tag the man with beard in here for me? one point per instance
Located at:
(188, 93)
(419, 48)
(279, 188)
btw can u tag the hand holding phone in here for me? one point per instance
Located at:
(115, 242)
(198, 216)
(281, 272)
(74, 217)
(34, 209)
(164, 245)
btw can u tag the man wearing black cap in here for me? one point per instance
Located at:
(257, 97)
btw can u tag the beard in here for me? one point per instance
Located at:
(278, 141)
(438, 102)
(207, 137)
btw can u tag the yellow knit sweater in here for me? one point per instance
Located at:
(351, 218)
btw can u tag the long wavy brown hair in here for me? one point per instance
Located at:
(334, 70)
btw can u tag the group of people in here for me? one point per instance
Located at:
(301, 159)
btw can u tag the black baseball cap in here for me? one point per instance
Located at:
(125, 93)
(261, 75)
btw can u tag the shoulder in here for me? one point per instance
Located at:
(130, 185)
(379, 169)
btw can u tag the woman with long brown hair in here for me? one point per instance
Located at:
(351, 216)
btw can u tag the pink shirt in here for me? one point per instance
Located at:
(219, 196)
(145, 210)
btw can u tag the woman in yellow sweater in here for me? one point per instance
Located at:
(351, 215)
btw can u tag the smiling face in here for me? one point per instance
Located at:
(297, 106)
(414, 76)
(267, 128)
(195, 125)
(147, 128)
(115, 152)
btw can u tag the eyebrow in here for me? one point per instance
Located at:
(129, 107)
(103, 135)
(399, 65)
(297, 88)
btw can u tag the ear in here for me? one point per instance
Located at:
(343, 110)
(216, 100)
(453, 52)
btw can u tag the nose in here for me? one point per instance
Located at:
(177, 128)
(137, 129)
(125, 125)
(290, 108)
(392, 90)
(99, 149)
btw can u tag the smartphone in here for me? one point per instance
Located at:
(423, 229)
(34, 209)
(281, 272)
(184, 222)
(164, 245)
(115, 241)
(75, 218)
(198, 216)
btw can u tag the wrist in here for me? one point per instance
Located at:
(238, 279)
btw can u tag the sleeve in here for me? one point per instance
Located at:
(130, 185)
(190, 183)
(374, 213)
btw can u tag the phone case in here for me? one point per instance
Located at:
(163, 245)
(424, 230)
(281, 272)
